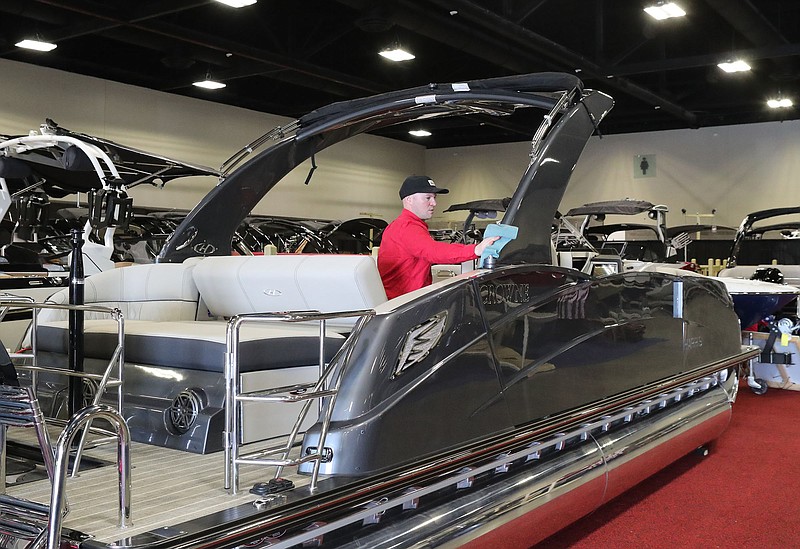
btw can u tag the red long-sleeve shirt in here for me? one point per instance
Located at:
(407, 252)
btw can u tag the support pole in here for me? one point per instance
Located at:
(76, 323)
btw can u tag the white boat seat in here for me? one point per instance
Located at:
(175, 314)
(157, 292)
(233, 285)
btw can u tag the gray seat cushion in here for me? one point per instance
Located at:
(197, 345)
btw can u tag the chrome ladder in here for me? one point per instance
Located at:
(326, 386)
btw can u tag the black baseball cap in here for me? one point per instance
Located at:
(419, 184)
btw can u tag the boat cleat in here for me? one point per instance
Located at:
(273, 486)
(412, 503)
(467, 482)
(374, 518)
(268, 501)
(505, 466)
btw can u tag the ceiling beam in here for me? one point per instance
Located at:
(746, 19)
(707, 60)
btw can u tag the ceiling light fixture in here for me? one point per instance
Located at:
(665, 10)
(237, 3)
(38, 45)
(783, 103)
(209, 84)
(734, 66)
(397, 54)
(420, 133)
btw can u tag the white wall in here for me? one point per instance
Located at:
(733, 169)
(360, 176)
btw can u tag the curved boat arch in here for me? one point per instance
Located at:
(571, 117)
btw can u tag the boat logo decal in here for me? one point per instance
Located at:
(272, 292)
(419, 341)
(693, 343)
(506, 292)
(572, 303)
(204, 248)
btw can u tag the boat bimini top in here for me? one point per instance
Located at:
(55, 162)
(58, 162)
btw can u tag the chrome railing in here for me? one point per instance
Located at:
(324, 387)
(81, 421)
(111, 378)
(38, 522)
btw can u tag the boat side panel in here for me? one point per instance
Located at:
(588, 342)
(712, 326)
(400, 409)
(558, 341)
(614, 334)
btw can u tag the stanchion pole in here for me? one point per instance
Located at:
(76, 323)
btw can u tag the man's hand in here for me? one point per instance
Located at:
(484, 243)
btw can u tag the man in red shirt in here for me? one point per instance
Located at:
(407, 249)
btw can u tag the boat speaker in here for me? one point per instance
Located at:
(182, 413)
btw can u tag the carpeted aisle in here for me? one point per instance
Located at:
(745, 493)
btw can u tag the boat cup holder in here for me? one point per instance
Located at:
(182, 413)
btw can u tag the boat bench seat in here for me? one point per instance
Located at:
(176, 314)
(176, 317)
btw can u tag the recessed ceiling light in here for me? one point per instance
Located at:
(209, 84)
(665, 10)
(734, 66)
(237, 3)
(397, 54)
(420, 133)
(779, 103)
(37, 45)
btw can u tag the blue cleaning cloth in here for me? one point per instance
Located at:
(507, 233)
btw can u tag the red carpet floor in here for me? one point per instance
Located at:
(745, 493)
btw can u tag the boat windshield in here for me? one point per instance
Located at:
(780, 246)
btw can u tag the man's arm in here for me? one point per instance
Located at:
(423, 245)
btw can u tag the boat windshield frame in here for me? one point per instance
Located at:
(746, 228)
